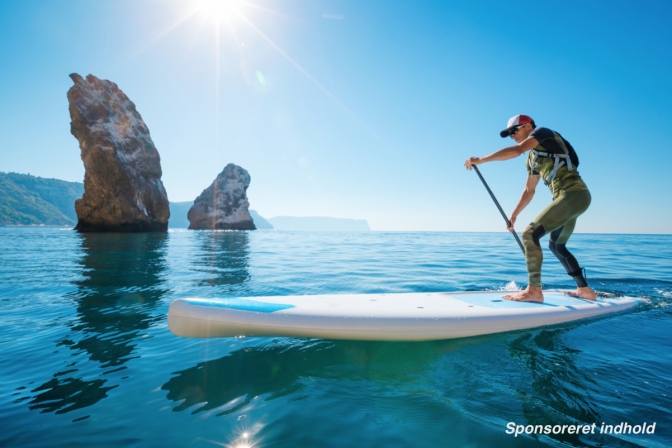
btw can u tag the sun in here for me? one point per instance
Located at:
(219, 9)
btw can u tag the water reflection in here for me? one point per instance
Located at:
(67, 395)
(557, 391)
(121, 286)
(223, 258)
(285, 367)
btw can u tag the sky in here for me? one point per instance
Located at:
(358, 109)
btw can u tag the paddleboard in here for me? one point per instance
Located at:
(380, 317)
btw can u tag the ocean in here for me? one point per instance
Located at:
(87, 358)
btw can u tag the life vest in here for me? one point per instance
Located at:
(566, 158)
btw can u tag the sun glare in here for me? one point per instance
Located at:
(230, 17)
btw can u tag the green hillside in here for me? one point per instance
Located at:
(30, 200)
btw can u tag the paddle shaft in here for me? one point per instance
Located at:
(508, 223)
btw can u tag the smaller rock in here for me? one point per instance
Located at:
(223, 205)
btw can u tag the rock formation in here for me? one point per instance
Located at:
(223, 205)
(123, 191)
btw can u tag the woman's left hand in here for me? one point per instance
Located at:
(472, 161)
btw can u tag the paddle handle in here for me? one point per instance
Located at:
(499, 207)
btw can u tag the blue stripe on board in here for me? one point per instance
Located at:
(240, 304)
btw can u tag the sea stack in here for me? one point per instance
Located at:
(223, 205)
(123, 191)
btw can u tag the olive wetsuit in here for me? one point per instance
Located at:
(555, 161)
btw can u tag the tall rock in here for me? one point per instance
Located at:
(223, 205)
(123, 191)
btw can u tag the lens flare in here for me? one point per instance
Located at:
(261, 79)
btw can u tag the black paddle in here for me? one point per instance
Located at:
(508, 223)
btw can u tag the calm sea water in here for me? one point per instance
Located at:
(87, 359)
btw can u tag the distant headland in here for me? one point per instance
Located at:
(319, 223)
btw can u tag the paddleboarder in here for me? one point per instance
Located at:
(552, 159)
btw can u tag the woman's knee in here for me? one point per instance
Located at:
(532, 234)
(559, 250)
(554, 247)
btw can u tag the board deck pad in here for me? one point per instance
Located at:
(401, 317)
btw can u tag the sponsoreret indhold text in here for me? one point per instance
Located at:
(622, 428)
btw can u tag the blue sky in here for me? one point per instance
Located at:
(358, 109)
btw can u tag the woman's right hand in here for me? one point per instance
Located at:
(512, 222)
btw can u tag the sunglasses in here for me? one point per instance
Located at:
(515, 130)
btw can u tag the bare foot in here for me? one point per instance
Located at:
(529, 294)
(582, 293)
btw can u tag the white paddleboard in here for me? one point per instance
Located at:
(380, 317)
